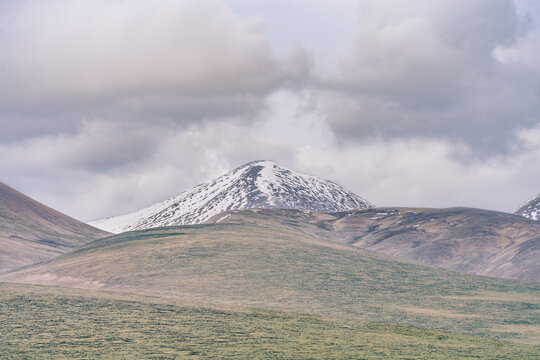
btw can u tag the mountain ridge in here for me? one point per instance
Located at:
(257, 184)
(529, 210)
(476, 241)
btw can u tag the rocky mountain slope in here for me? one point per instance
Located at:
(31, 232)
(477, 241)
(530, 210)
(258, 184)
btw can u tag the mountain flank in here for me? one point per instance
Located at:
(477, 241)
(530, 210)
(258, 184)
(31, 232)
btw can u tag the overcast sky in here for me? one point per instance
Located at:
(107, 106)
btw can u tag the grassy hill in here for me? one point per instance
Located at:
(31, 232)
(477, 241)
(275, 268)
(55, 323)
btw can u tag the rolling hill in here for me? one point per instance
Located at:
(477, 241)
(258, 184)
(272, 266)
(31, 232)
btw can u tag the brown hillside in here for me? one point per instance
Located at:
(31, 232)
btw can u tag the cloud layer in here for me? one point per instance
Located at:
(65, 61)
(107, 106)
(436, 69)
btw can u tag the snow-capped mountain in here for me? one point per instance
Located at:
(258, 184)
(530, 210)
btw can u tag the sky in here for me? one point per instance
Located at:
(107, 106)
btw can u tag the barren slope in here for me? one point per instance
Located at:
(31, 232)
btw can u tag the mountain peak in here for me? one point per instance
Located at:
(264, 163)
(530, 210)
(257, 184)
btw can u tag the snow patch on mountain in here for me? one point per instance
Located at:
(530, 210)
(258, 184)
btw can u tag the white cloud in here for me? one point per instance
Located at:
(425, 173)
(106, 105)
(324, 28)
(522, 53)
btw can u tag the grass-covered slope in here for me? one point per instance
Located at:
(273, 268)
(53, 323)
(31, 232)
(477, 241)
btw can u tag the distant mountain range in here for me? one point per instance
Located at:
(530, 210)
(31, 232)
(258, 184)
(477, 241)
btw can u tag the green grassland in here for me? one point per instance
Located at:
(38, 322)
(249, 266)
(476, 241)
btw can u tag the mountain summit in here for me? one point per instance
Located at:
(530, 210)
(258, 184)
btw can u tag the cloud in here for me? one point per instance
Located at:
(432, 69)
(105, 169)
(107, 106)
(421, 47)
(425, 68)
(425, 173)
(63, 61)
